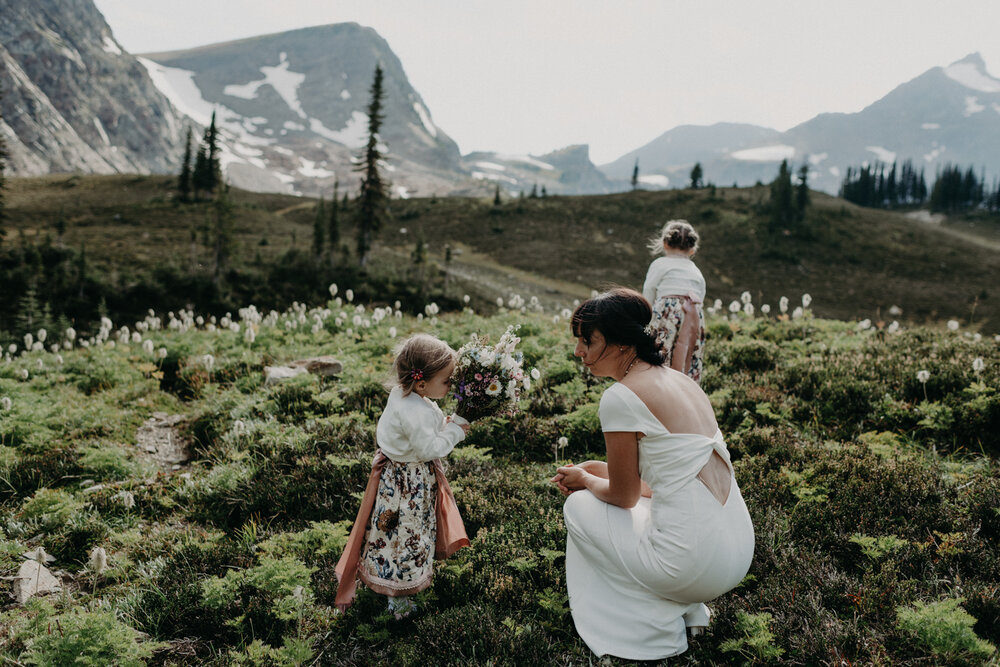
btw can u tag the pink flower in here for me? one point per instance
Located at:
(479, 376)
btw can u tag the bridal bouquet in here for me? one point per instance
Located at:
(488, 379)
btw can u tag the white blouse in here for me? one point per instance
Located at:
(412, 429)
(671, 275)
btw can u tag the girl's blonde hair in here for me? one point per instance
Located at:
(420, 357)
(677, 234)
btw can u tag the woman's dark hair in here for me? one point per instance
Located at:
(621, 315)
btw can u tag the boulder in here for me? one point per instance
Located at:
(324, 366)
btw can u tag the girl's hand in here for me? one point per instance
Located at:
(569, 478)
(461, 422)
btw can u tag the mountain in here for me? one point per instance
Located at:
(946, 115)
(291, 110)
(564, 171)
(73, 100)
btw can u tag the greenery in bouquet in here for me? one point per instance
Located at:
(488, 379)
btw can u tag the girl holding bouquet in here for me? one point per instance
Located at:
(408, 515)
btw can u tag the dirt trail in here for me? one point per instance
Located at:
(935, 220)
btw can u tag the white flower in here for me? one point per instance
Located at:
(42, 334)
(70, 333)
(953, 325)
(566, 313)
(535, 374)
(512, 388)
(746, 298)
(977, 336)
(239, 426)
(28, 340)
(493, 389)
(208, 361)
(12, 348)
(125, 498)
(59, 358)
(162, 353)
(147, 346)
(895, 310)
(333, 290)
(6, 403)
(500, 302)
(806, 300)
(765, 309)
(748, 308)
(98, 562)
(923, 376)
(526, 381)
(864, 325)
(783, 304)
(797, 313)
(893, 327)
(978, 364)
(734, 307)
(397, 305)
(392, 332)
(562, 441)
(349, 295)
(465, 298)
(23, 373)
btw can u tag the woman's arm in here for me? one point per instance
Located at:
(600, 469)
(622, 486)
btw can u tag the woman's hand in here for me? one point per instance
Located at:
(570, 478)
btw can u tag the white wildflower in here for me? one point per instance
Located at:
(797, 313)
(953, 325)
(783, 304)
(392, 332)
(42, 334)
(893, 327)
(333, 290)
(12, 348)
(249, 335)
(765, 309)
(6, 403)
(465, 298)
(125, 498)
(978, 365)
(923, 376)
(535, 374)
(864, 324)
(734, 307)
(746, 297)
(349, 295)
(806, 300)
(895, 310)
(208, 361)
(162, 353)
(24, 373)
(59, 358)
(147, 346)
(28, 340)
(98, 561)
(70, 334)
(748, 308)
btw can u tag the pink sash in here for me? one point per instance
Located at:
(688, 334)
(451, 534)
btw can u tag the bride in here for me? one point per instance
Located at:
(661, 527)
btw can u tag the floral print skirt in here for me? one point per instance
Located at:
(398, 553)
(668, 315)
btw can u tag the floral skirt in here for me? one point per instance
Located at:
(398, 553)
(668, 315)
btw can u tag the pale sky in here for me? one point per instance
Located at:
(530, 76)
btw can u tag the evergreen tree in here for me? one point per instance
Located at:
(184, 180)
(201, 175)
(696, 176)
(496, 195)
(81, 270)
(802, 193)
(373, 200)
(635, 175)
(534, 192)
(3, 179)
(214, 155)
(781, 210)
(545, 193)
(333, 225)
(319, 229)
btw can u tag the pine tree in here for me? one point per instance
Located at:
(635, 175)
(201, 175)
(696, 176)
(496, 195)
(545, 193)
(184, 180)
(319, 229)
(781, 199)
(222, 233)
(3, 179)
(214, 159)
(373, 200)
(333, 225)
(802, 193)
(534, 192)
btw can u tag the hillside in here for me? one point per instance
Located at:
(874, 507)
(857, 263)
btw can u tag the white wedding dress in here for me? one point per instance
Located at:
(637, 577)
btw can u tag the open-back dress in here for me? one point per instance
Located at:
(637, 577)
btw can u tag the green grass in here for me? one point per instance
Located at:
(878, 534)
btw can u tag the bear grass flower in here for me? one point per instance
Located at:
(488, 378)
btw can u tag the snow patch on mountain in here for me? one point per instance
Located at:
(657, 180)
(353, 135)
(972, 105)
(284, 82)
(425, 118)
(111, 46)
(527, 159)
(179, 87)
(771, 153)
(883, 154)
(345, 94)
(100, 131)
(490, 165)
(968, 75)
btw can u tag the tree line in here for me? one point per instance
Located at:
(955, 189)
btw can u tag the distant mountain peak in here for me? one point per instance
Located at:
(971, 72)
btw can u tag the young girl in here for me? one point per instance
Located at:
(408, 515)
(675, 288)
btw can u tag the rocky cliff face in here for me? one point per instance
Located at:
(73, 100)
